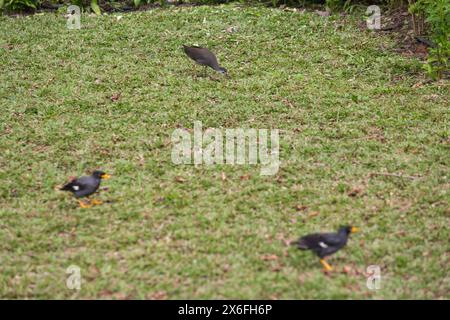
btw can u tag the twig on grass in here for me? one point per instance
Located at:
(393, 175)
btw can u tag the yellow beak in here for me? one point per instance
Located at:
(105, 176)
(354, 229)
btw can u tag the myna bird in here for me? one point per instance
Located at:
(86, 186)
(325, 244)
(204, 57)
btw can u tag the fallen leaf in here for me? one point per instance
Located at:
(159, 295)
(288, 103)
(313, 214)
(277, 268)
(346, 269)
(245, 177)
(354, 192)
(323, 13)
(141, 160)
(8, 46)
(115, 97)
(401, 234)
(179, 179)
(232, 29)
(159, 200)
(269, 257)
(300, 207)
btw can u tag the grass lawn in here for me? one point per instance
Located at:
(110, 95)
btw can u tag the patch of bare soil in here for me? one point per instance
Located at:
(399, 24)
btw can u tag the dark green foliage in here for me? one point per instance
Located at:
(437, 13)
(19, 5)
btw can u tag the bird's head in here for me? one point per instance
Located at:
(101, 175)
(222, 71)
(348, 229)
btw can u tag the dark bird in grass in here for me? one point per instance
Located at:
(325, 244)
(204, 57)
(86, 186)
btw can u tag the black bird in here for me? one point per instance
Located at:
(325, 244)
(204, 57)
(86, 186)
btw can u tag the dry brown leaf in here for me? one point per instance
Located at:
(300, 207)
(115, 97)
(354, 192)
(277, 268)
(288, 103)
(269, 257)
(232, 29)
(159, 295)
(226, 267)
(8, 46)
(346, 269)
(313, 214)
(141, 160)
(323, 13)
(179, 179)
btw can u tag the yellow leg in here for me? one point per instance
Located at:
(96, 202)
(326, 265)
(84, 205)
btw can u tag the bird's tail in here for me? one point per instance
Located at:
(66, 187)
(300, 244)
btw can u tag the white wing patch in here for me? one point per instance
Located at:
(323, 244)
(76, 188)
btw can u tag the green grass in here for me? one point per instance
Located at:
(346, 105)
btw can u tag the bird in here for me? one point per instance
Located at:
(204, 57)
(86, 186)
(325, 244)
